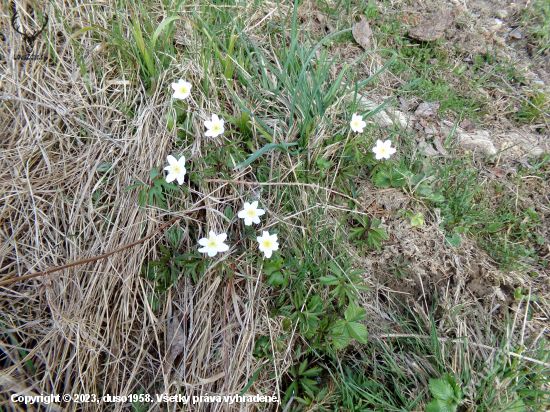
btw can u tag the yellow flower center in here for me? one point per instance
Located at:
(183, 89)
(267, 244)
(175, 169)
(382, 150)
(211, 242)
(216, 128)
(356, 124)
(251, 213)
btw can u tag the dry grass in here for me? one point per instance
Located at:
(91, 328)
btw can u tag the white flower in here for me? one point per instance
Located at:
(215, 127)
(176, 169)
(251, 213)
(357, 124)
(182, 89)
(383, 150)
(213, 244)
(268, 243)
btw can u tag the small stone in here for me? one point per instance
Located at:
(433, 29)
(426, 110)
(501, 14)
(516, 34)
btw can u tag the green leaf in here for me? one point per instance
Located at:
(287, 325)
(358, 331)
(340, 341)
(329, 280)
(104, 167)
(354, 313)
(313, 371)
(276, 279)
(170, 121)
(259, 152)
(417, 220)
(442, 390)
(454, 240)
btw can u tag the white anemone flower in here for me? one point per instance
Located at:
(268, 243)
(251, 213)
(182, 89)
(383, 150)
(215, 127)
(357, 124)
(176, 169)
(213, 244)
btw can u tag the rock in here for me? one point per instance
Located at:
(501, 14)
(440, 146)
(362, 34)
(428, 149)
(433, 29)
(479, 141)
(496, 25)
(427, 111)
(516, 34)
(404, 104)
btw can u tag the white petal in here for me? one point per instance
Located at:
(212, 252)
(246, 205)
(242, 214)
(180, 178)
(223, 248)
(170, 178)
(210, 133)
(211, 234)
(172, 160)
(208, 124)
(275, 246)
(181, 161)
(274, 237)
(248, 221)
(260, 212)
(203, 241)
(268, 253)
(256, 219)
(221, 237)
(260, 239)
(254, 204)
(203, 249)
(215, 118)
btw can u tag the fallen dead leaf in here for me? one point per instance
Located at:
(467, 125)
(497, 171)
(433, 29)
(175, 340)
(362, 33)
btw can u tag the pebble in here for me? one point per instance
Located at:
(501, 14)
(516, 34)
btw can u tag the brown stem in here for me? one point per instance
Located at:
(83, 261)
